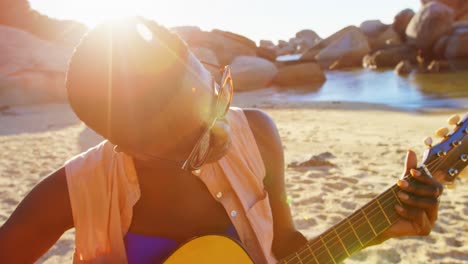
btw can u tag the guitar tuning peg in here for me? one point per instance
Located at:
(453, 120)
(442, 132)
(428, 142)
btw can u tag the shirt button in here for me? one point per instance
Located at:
(233, 213)
(219, 195)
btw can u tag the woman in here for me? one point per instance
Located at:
(177, 163)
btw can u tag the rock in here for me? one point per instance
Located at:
(267, 44)
(403, 67)
(454, 4)
(349, 48)
(429, 24)
(401, 21)
(457, 44)
(309, 38)
(296, 43)
(32, 70)
(299, 75)
(187, 33)
(18, 14)
(463, 17)
(372, 28)
(250, 73)
(438, 66)
(266, 53)
(226, 45)
(285, 48)
(386, 39)
(389, 57)
(440, 46)
(207, 55)
(314, 161)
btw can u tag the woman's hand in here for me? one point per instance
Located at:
(420, 203)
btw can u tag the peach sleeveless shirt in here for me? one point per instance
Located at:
(103, 188)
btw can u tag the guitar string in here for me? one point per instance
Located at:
(386, 206)
(389, 201)
(307, 247)
(371, 213)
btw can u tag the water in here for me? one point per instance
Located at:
(416, 91)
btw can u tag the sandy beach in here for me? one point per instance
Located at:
(365, 146)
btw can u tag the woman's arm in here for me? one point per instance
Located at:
(286, 238)
(38, 221)
(418, 214)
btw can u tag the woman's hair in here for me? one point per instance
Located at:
(121, 76)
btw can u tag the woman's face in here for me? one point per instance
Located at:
(188, 114)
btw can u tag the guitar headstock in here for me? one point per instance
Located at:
(449, 156)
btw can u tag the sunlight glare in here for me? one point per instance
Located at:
(144, 32)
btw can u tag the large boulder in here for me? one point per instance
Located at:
(187, 33)
(206, 56)
(386, 39)
(403, 68)
(372, 28)
(308, 38)
(389, 57)
(226, 45)
(429, 24)
(457, 44)
(304, 74)
(349, 48)
(267, 44)
(267, 53)
(285, 48)
(19, 14)
(32, 70)
(250, 73)
(401, 21)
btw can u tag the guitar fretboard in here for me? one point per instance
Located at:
(351, 234)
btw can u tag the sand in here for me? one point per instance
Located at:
(366, 143)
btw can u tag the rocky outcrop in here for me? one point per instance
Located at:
(31, 70)
(457, 44)
(401, 21)
(403, 67)
(429, 24)
(250, 73)
(225, 45)
(300, 75)
(386, 39)
(285, 48)
(372, 28)
(18, 14)
(267, 53)
(307, 39)
(207, 55)
(389, 57)
(349, 48)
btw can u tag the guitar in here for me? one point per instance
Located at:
(357, 230)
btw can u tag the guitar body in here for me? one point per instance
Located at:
(210, 249)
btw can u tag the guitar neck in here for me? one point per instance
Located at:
(351, 234)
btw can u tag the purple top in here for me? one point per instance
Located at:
(143, 249)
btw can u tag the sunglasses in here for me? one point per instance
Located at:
(224, 92)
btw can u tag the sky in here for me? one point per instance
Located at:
(255, 19)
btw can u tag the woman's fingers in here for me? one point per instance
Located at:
(418, 218)
(419, 189)
(411, 162)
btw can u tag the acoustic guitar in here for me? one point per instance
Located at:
(357, 230)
